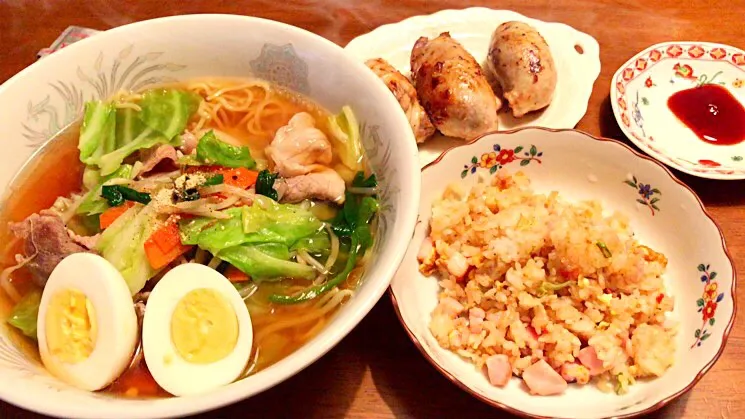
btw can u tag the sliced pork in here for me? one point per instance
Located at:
(46, 237)
(154, 156)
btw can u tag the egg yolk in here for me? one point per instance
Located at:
(204, 327)
(70, 326)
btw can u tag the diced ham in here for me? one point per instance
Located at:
(589, 358)
(542, 380)
(572, 371)
(499, 370)
(457, 265)
(476, 319)
(451, 306)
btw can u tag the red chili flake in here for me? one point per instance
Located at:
(660, 297)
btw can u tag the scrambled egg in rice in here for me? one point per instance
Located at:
(550, 291)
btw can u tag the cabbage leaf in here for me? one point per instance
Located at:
(210, 150)
(25, 314)
(345, 133)
(110, 134)
(123, 244)
(265, 262)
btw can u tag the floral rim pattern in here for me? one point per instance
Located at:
(629, 111)
(500, 157)
(707, 304)
(727, 328)
(646, 194)
(63, 104)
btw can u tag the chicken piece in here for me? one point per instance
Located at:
(46, 237)
(453, 88)
(499, 370)
(406, 96)
(325, 185)
(543, 380)
(520, 61)
(299, 147)
(589, 358)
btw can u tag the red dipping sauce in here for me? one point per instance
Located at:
(711, 112)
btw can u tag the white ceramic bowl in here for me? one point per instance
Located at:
(45, 97)
(671, 220)
(641, 87)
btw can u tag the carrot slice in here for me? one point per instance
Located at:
(108, 217)
(239, 177)
(164, 246)
(236, 275)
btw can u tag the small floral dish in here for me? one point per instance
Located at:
(700, 275)
(640, 93)
(576, 55)
(41, 100)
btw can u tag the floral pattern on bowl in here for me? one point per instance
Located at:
(639, 92)
(600, 169)
(495, 160)
(49, 95)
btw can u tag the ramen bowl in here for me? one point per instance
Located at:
(578, 167)
(49, 95)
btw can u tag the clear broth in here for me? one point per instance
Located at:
(57, 171)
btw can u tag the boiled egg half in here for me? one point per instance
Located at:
(87, 326)
(197, 333)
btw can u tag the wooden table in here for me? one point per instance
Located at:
(376, 372)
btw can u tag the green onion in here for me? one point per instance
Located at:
(549, 287)
(214, 180)
(265, 184)
(115, 195)
(360, 181)
(313, 292)
(604, 249)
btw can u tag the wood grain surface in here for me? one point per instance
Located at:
(376, 372)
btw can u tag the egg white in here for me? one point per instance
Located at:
(173, 373)
(117, 331)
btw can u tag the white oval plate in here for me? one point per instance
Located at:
(473, 28)
(656, 204)
(639, 92)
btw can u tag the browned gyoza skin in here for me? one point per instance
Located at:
(452, 88)
(406, 95)
(520, 61)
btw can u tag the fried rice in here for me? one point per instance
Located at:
(528, 279)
